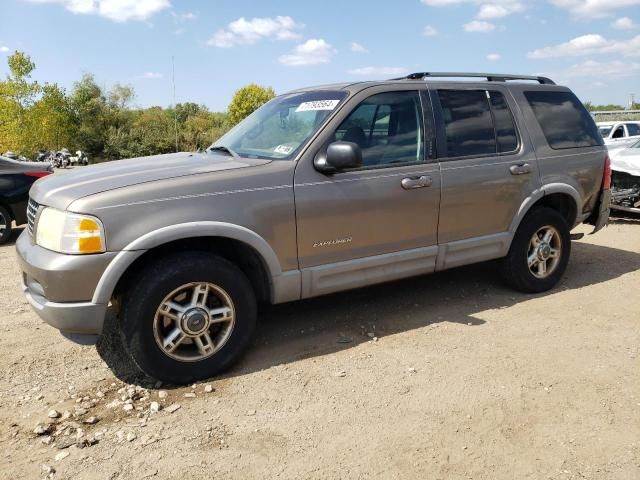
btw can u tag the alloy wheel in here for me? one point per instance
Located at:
(194, 321)
(545, 250)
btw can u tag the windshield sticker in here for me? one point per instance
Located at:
(283, 149)
(317, 105)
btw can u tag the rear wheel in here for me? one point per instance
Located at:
(539, 253)
(188, 317)
(5, 225)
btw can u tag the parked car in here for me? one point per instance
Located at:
(320, 190)
(16, 179)
(619, 135)
(625, 180)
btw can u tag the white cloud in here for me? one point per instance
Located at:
(610, 69)
(478, 26)
(184, 16)
(4, 49)
(429, 31)
(151, 75)
(311, 52)
(593, 8)
(378, 71)
(247, 32)
(357, 48)
(623, 23)
(592, 44)
(116, 10)
(490, 11)
(494, 57)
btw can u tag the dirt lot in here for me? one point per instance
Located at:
(464, 379)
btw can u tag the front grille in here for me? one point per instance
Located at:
(32, 212)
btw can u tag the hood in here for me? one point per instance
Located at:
(61, 189)
(627, 161)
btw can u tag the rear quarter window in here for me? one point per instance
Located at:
(564, 120)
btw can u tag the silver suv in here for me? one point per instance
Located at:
(321, 190)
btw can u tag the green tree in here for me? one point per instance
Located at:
(248, 99)
(17, 94)
(50, 122)
(90, 107)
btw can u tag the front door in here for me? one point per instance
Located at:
(378, 222)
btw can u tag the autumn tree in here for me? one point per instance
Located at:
(248, 99)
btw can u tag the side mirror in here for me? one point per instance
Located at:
(339, 156)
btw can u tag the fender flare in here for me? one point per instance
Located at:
(538, 194)
(126, 257)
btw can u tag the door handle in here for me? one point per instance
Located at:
(520, 169)
(411, 183)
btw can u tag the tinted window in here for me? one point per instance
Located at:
(468, 123)
(505, 128)
(387, 127)
(633, 129)
(563, 119)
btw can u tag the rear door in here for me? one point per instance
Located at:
(488, 169)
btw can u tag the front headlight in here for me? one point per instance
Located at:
(72, 233)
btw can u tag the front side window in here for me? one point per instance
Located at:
(387, 127)
(469, 128)
(278, 129)
(563, 119)
(633, 129)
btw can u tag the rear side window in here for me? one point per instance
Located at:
(468, 123)
(564, 120)
(477, 122)
(505, 128)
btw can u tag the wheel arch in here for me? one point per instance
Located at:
(560, 196)
(245, 248)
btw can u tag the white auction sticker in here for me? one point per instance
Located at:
(317, 105)
(284, 149)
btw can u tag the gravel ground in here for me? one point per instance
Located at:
(447, 376)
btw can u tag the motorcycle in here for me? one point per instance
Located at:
(79, 159)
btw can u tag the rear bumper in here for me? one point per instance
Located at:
(602, 217)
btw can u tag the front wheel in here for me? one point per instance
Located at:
(188, 317)
(539, 253)
(5, 225)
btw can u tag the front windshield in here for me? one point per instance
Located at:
(279, 128)
(604, 131)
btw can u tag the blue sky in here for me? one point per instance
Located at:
(591, 45)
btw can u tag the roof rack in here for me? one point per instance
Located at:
(491, 77)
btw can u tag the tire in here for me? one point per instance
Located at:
(516, 269)
(146, 331)
(5, 219)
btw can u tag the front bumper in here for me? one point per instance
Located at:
(59, 287)
(72, 319)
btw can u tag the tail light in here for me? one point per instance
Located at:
(37, 174)
(606, 177)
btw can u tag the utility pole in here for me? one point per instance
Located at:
(175, 112)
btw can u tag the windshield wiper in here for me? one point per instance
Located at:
(222, 148)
